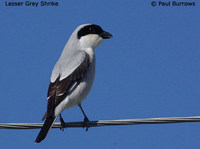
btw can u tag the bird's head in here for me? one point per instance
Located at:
(91, 35)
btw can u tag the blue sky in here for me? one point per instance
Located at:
(150, 68)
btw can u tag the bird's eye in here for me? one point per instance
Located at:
(90, 29)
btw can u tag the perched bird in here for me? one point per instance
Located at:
(73, 74)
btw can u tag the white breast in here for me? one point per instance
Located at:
(80, 90)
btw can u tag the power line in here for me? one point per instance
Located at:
(104, 123)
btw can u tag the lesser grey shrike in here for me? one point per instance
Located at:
(73, 74)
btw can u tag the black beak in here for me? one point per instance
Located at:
(105, 35)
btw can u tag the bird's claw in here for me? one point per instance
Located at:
(85, 122)
(62, 129)
(62, 122)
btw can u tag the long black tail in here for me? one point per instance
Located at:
(45, 129)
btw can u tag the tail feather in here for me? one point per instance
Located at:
(45, 129)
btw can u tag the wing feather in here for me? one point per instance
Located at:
(59, 89)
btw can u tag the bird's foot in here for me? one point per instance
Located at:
(62, 122)
(85, 123)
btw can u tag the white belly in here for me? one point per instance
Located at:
(79, 92)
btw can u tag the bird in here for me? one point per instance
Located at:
(73, 75)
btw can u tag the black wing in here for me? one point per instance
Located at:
(59, 89)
